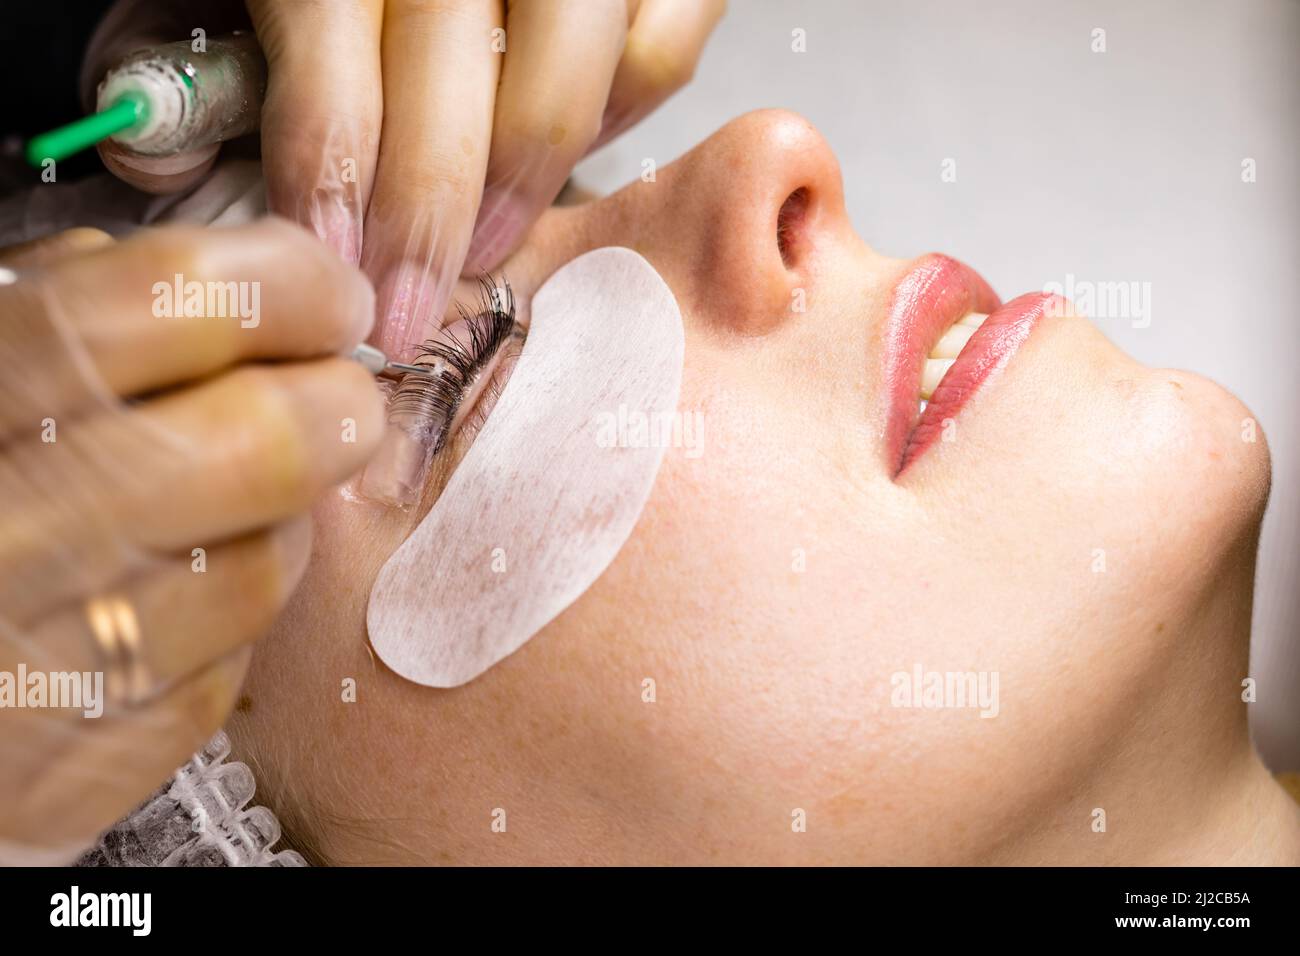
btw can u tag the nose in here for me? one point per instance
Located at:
(750, 210)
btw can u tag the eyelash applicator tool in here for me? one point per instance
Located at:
(377, 363)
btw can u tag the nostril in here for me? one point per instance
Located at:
(788, 223)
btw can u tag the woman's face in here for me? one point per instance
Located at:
(1080, 537)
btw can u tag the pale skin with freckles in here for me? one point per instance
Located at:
(1120, 683)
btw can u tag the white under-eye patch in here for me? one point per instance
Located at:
(543, 500)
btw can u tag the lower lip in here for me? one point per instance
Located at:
(987, 351)
(934, 294)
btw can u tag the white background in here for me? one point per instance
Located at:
(1115, 166)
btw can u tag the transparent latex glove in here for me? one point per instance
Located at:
(420, 139)
(156, 469)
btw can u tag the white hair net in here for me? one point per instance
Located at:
(200, 818)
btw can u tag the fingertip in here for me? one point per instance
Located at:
(337, 226)
(343, 417)
(360, 316)
(355, 298)
(410, 301)
(308, 189)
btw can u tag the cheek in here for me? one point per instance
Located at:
(746, 595)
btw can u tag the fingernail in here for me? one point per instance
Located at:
(395, 476)
(502, 218)
(338, 226)
(411, 302)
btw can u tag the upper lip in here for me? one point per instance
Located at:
(934, 294)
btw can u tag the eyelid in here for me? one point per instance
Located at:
(481, 396)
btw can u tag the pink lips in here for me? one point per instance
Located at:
(928, 300)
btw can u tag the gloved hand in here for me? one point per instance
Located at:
(155, 475)
(445, 127)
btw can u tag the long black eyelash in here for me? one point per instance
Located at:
(486, 329)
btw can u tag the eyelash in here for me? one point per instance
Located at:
(438, 397)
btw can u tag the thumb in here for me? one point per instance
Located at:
(158, 174)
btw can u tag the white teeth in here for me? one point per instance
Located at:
(934, 371)
(952, 342)
(946, 351)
